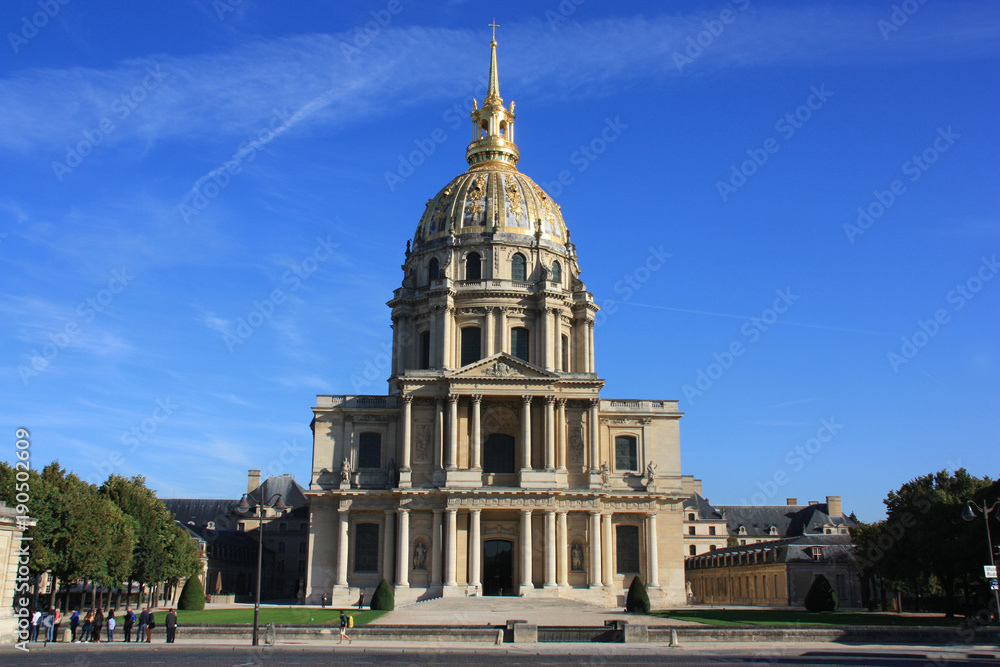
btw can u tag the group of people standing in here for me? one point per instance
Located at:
(94, 623)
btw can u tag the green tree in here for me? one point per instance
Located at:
(821, 596)
(637, 599)
(383, 599)
(152, 522)
(192, 595)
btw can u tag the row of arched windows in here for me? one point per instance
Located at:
(474, 268)
(471, 347)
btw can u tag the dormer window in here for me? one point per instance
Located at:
(742, 530)
(773, 530)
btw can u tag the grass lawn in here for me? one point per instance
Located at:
(279, 615)
(783, 617)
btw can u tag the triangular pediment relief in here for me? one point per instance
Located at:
(503, 366)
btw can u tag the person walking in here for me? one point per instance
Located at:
(74, 623)
(129, 622)
(56, 622)
(88, 627)
(343, 628)
(112, 624)
(171, 626)
(48, 624)
(143, 620)
(36, 618)
(150, 625)
(98, 626)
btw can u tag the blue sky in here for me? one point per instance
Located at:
(204, 208)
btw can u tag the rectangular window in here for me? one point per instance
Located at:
(303, 547)
(627, 549)
(711, 530)
(691, 530)
(370, 450)
(471, 345)
(626, 456)
(425, 349)
(519, 343)
(366, 547)
(693, 550)
(565, 354)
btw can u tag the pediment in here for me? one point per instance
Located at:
(503, 366)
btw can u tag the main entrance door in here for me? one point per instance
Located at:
(498, 568)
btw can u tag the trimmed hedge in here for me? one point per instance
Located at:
(821, 596)
(192, 595)
(637, 599)
(383, 599)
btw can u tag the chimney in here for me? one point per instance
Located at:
(814, 502)
(253, 480)
(833, 506)
(791, 501)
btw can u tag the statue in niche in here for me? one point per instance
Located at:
(345, 470)
(650, 472)
(576, 558)
(420, 556)
(605, 474)
(390, 473)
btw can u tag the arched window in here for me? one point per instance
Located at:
(518, 267)
(473, 266)
(519, 343)
(432, 269)
(556, 272)
(626, 455)
(471, 345)
(370, 450)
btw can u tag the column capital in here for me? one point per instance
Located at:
(550, 400)
(526, 399)
(525, 512)
(475, 511)
(451, 510)
(561, 512)
(407, 398)
(595, 402)
(453, 398)
(549, 511)
(488, 309)
(390, 512)
(477, 398)
(594, 513)
(403, 510)
(561, 402)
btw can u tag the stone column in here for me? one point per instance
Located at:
(452, 458)
(562, 445)
(438, 433)
(504, 333)
(403, 550)
(595, 549)
(595, 435)
(389, 548)
(436, 547)
(526, 433)
(451, 552)
(550, 433)
(580, 354)
(526, 553)
(550, 549)
(606, 543)
(475, 552)
(397, 359)
(477, 447)
(543, 348)
(435, 350)
(343, 529)
(562, 549)
(590, 346)
(407, 427)
(653, 573)
(447, 345)
(489, 328)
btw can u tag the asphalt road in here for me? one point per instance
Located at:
(536, 654)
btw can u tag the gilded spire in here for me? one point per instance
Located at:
(492, 125)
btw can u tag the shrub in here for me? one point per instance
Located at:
(821, 596)
(383, 599)
(192, 595)
(637, 599)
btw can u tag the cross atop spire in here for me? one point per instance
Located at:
(494, 25)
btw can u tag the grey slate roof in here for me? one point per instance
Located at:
(835, 548)
(199, 511)
(789, 520)
(292, 493)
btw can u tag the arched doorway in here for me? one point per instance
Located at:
(498, 567)
(498, 453)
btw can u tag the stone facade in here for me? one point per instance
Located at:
(12, 528)
(494, 466)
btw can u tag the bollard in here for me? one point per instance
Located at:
(673, 638)
(499, 640)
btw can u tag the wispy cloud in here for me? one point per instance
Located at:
(219, 96)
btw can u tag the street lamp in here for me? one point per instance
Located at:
(260, 508)
(969, 514)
